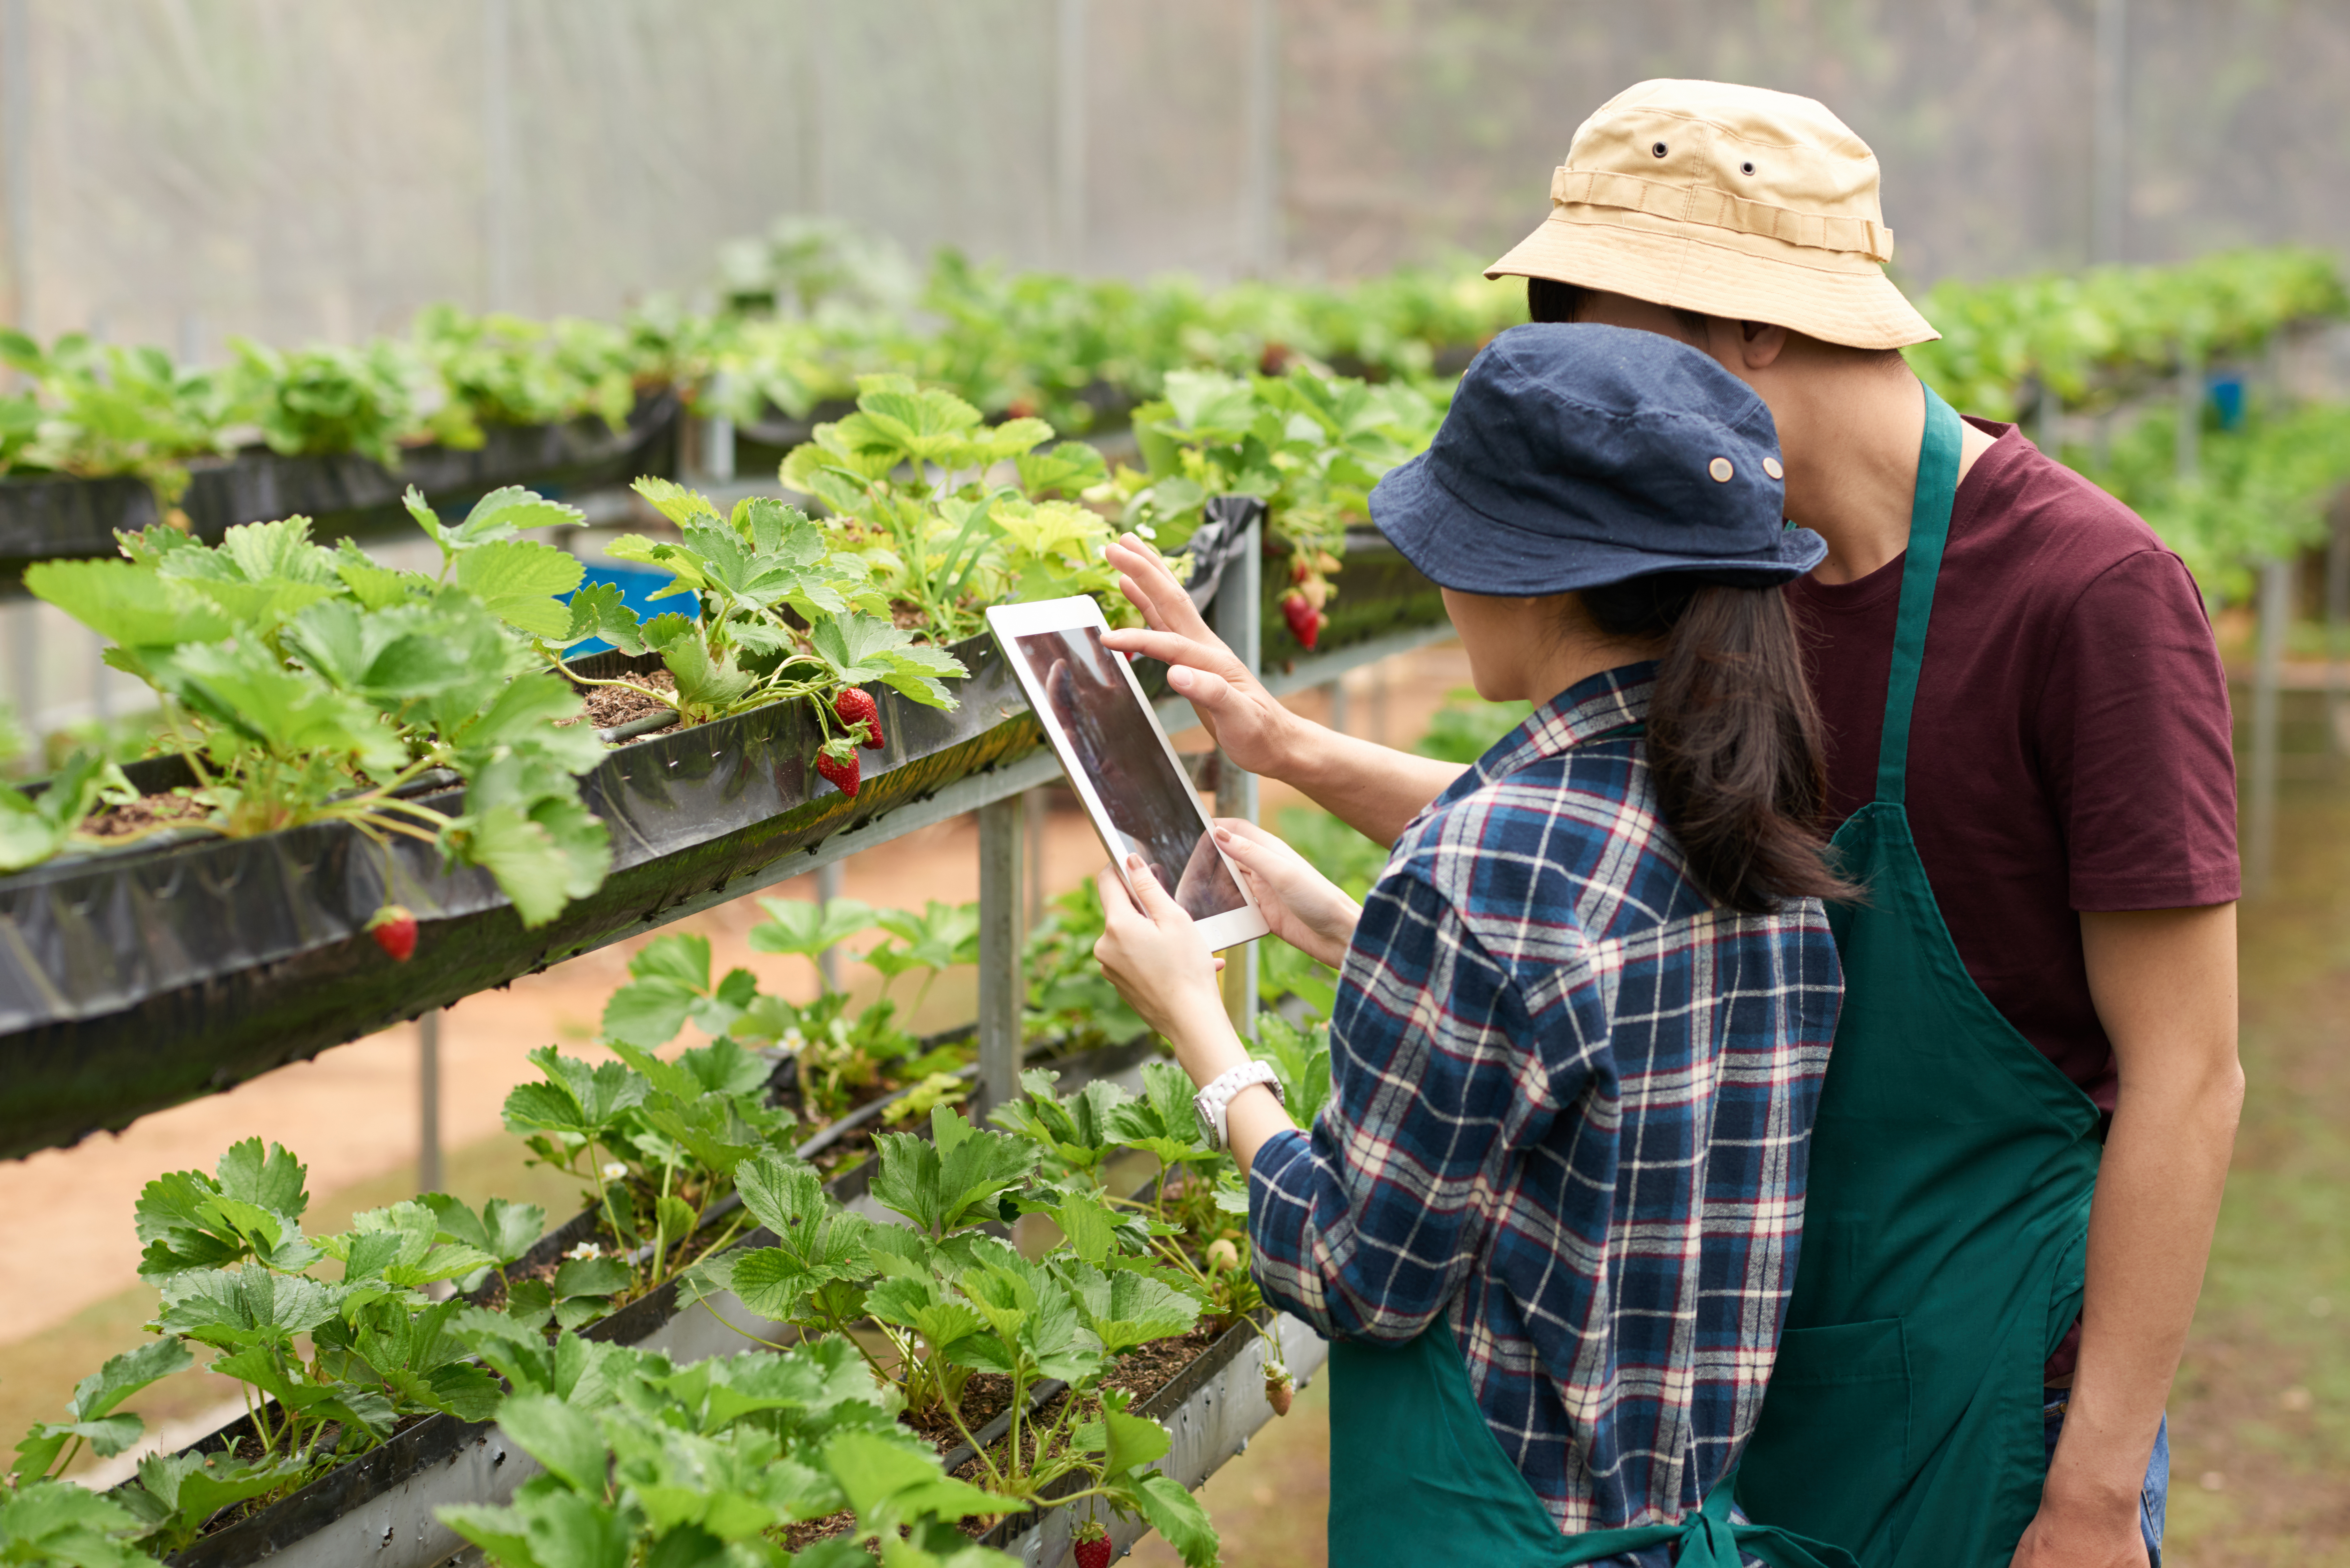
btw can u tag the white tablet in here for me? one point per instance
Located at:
(1120, 761)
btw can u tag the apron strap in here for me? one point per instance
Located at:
(1710, 1537)
(1929, 528)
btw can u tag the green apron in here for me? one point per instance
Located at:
(1946, 1214)
(1417, 1478)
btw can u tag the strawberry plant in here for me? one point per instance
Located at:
(1311, 445)
(951, 1301)
(782, 616)
(906, 481)
(302, 684)
(500, 369)
(327, 1366)
(843, 1059)
(112, 410)
(648, 1462)
(329, 399)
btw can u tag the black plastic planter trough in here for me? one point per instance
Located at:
(55, 517)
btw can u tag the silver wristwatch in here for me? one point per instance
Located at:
(1210, 1104)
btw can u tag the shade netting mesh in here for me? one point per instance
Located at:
(183, 170)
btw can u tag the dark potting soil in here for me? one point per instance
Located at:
(145, 814)
(610, 705)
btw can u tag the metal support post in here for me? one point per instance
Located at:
(15, 159)
(1261, 234)
(498, 184)
(429, 1174)
(2109, 135)
(2337, 625)
(2190, 440)
(1338, 705)
(1239, 613)
(2260, 826)
(1033, 808)
(1070, 84)
(25, 659)
(1001, 991)
(828, 880)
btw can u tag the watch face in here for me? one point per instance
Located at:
(1207, 1124)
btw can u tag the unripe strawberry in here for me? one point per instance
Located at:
(394, 930)
(1279, 1391)
(853, 707)
(836, 764)
(1223, 1256)
(1093, 1549)
(1305, 621)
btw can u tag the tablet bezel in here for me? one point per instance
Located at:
(1006, 622)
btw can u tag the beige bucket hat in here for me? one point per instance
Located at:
(1728, 200)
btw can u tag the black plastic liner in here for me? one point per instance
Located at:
(53, 517)
(367, 1476)
(137, 979)
(134, 980)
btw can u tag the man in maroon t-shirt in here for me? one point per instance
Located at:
(2070, 781)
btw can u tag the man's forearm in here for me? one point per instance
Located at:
(2165, 986)
(1376, 790)
(2150, 1225)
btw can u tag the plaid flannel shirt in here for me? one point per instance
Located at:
(1571, 1109)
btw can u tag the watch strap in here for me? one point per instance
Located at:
(1212, 1102)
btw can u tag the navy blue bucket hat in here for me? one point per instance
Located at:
(1579, 455)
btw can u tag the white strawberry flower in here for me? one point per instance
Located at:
(584, 1251)
(614, 1170)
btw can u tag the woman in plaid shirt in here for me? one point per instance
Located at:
(1550, 1214)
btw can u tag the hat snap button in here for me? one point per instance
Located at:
(1658, 150)
(1721, 470)
(1746, 168)
(1770, 466)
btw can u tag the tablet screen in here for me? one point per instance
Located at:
(1147, 802)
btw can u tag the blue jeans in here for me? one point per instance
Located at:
(2153, 1497)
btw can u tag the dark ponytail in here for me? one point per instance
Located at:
(1733, 737)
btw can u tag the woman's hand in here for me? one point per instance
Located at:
(1304, 909)
(1159, 962)
(1243, 719)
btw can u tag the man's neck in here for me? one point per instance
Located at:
(1852, 465)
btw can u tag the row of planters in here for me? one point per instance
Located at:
(352, 751)
(754, 1343)
(2250, 476)
(112, 437)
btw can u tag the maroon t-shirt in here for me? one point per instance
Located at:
(2070, 748)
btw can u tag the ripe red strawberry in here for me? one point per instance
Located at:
(855, 707)
(1093, 1549)
(837, 765)
(394, 930)
(1304, 621)
(1279, 1391)
(1020, 408)
(1299, 571)
(1274, 359)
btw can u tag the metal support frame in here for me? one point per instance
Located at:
(430, 1176)
(2338, 624)
(2109, 135)
(1261, 236)
(2260, 817)
(1070, 84)
(1001, 992)
(15, 157)
(828, 880)
(1034, 814)
(498, 184)
(1239, 614)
